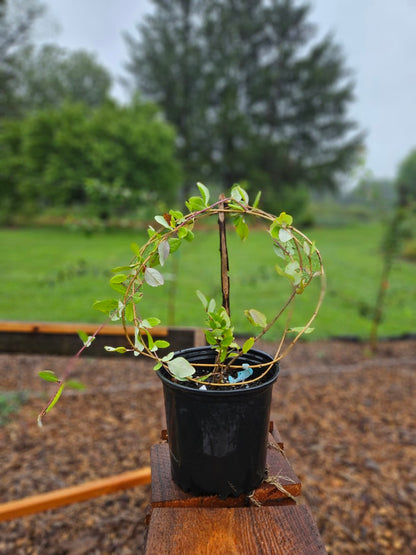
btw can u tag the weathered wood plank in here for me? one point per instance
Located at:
(287, 530)
(74, 494)
(57, 338)
(165, 493)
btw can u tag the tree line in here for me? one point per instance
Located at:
(222, 92)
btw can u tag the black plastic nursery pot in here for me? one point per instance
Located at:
(218, 438)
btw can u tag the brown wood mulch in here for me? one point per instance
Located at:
(346, 418)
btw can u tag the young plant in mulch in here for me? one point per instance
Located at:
(294, 256)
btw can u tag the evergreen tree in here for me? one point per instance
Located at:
(17, 19)
(49, 75)
(253, 96)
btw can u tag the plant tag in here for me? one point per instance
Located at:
(242, 374)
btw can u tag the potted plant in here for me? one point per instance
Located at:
(217, 397)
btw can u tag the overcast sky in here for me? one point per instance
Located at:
(378, 38)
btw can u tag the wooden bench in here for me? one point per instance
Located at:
(268, 521)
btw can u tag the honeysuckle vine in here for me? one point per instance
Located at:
(301, 263)
(296, 259)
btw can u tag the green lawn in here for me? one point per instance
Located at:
(55, 275)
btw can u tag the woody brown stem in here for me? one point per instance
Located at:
(225, 278)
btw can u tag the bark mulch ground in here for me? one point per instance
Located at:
(346, 418)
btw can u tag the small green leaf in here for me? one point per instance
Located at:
(211, 305)
(121, 350)
(74, 384)
(118, 278)
(300, 329)
(203, 299)
(157, 366)
(174, 243)
(256, 317)
(150, 322)
(161, 344)
(153, 278)
(119, 269)
(86, 339)
(163, 250)
(129, 312)
(106, 306)
(285, 235)
(136, 249)
(248, 344)
(241, 227)
(257, 200)
(279, 251)
(161, 220)
(49, 376)
(239, 194)
(204, 193)
(180, 368)
(83, 336)
(284, 219)
(195, 204)
(55, 399)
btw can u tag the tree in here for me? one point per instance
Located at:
(406, 179)
(252, 97)
(17, 19)
(48, 157)
(49, 75)
(164, 65)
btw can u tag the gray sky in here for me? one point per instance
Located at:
(378, 38)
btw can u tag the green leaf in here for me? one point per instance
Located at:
(119, 287)
(239, 194)
(136, 249)
(49, 376)
(74, 384)
(204, 193)
(153, 278)
(150, 342)
(257, 200)
(248, 344)
(118, 278)
(241, 227)
(150, 322)
(180, 368)
(285, 235)
(278, 251)
(129, 312)
(121, 350)
(55, 399)
(119, 269)
(161, 344)
(161, 220)
(195, 204)
(293, 271)
(106, 306)
(163, 249)
(203, 299)
(284, 219)
(300, 329)
(86, 339)
(256, 317)
(174, 243)
(157, 366)
(211, 305)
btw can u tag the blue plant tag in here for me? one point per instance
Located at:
(242, 375)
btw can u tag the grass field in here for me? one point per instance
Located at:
(55, 275)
